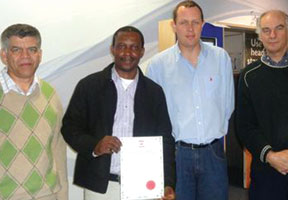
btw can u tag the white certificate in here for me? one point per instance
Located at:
(141, 167)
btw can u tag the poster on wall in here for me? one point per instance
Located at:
(253, 48)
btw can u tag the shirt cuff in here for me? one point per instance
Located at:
(264, 153)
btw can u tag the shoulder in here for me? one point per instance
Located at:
(164, 56)
(250, 72)
(162, 62)
(252, 68)
(50, 95)
(92, 78)
(95, 78)
(46, 87)
(151, 87)
(150, 84)
(216, 51)
(166, 52)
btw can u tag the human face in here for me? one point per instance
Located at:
(127, 52)
(274, 34)
(188, 27)
(22, 58)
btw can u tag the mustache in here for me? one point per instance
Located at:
(127, 58)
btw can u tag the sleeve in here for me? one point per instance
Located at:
(60, 156)
(248, 128)
(165, 129)
(75, 128)
(230, 93)
(164, 126)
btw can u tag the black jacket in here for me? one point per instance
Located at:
(90, 116)
(262, 110)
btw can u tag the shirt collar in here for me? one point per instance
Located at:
(281, 64)
(177, 50)
(8, 84)
(116, 78)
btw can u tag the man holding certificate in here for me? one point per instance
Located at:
(118, 102)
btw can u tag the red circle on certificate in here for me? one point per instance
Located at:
(150, 185)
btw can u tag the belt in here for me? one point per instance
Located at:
(195, 146)
(114, 177)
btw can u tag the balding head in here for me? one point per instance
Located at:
(278, 13)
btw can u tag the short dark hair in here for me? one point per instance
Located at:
(187, 4)
(128, 29)
(19, 30)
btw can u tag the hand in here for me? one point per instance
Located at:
(169, 193)
(278, 160)
(108, 145)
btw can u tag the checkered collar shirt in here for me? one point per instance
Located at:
(283, 63)
(8, 84)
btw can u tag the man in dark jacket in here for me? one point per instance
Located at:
(116, 102)
(262, 110)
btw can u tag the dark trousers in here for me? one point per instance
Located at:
(268, 184)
